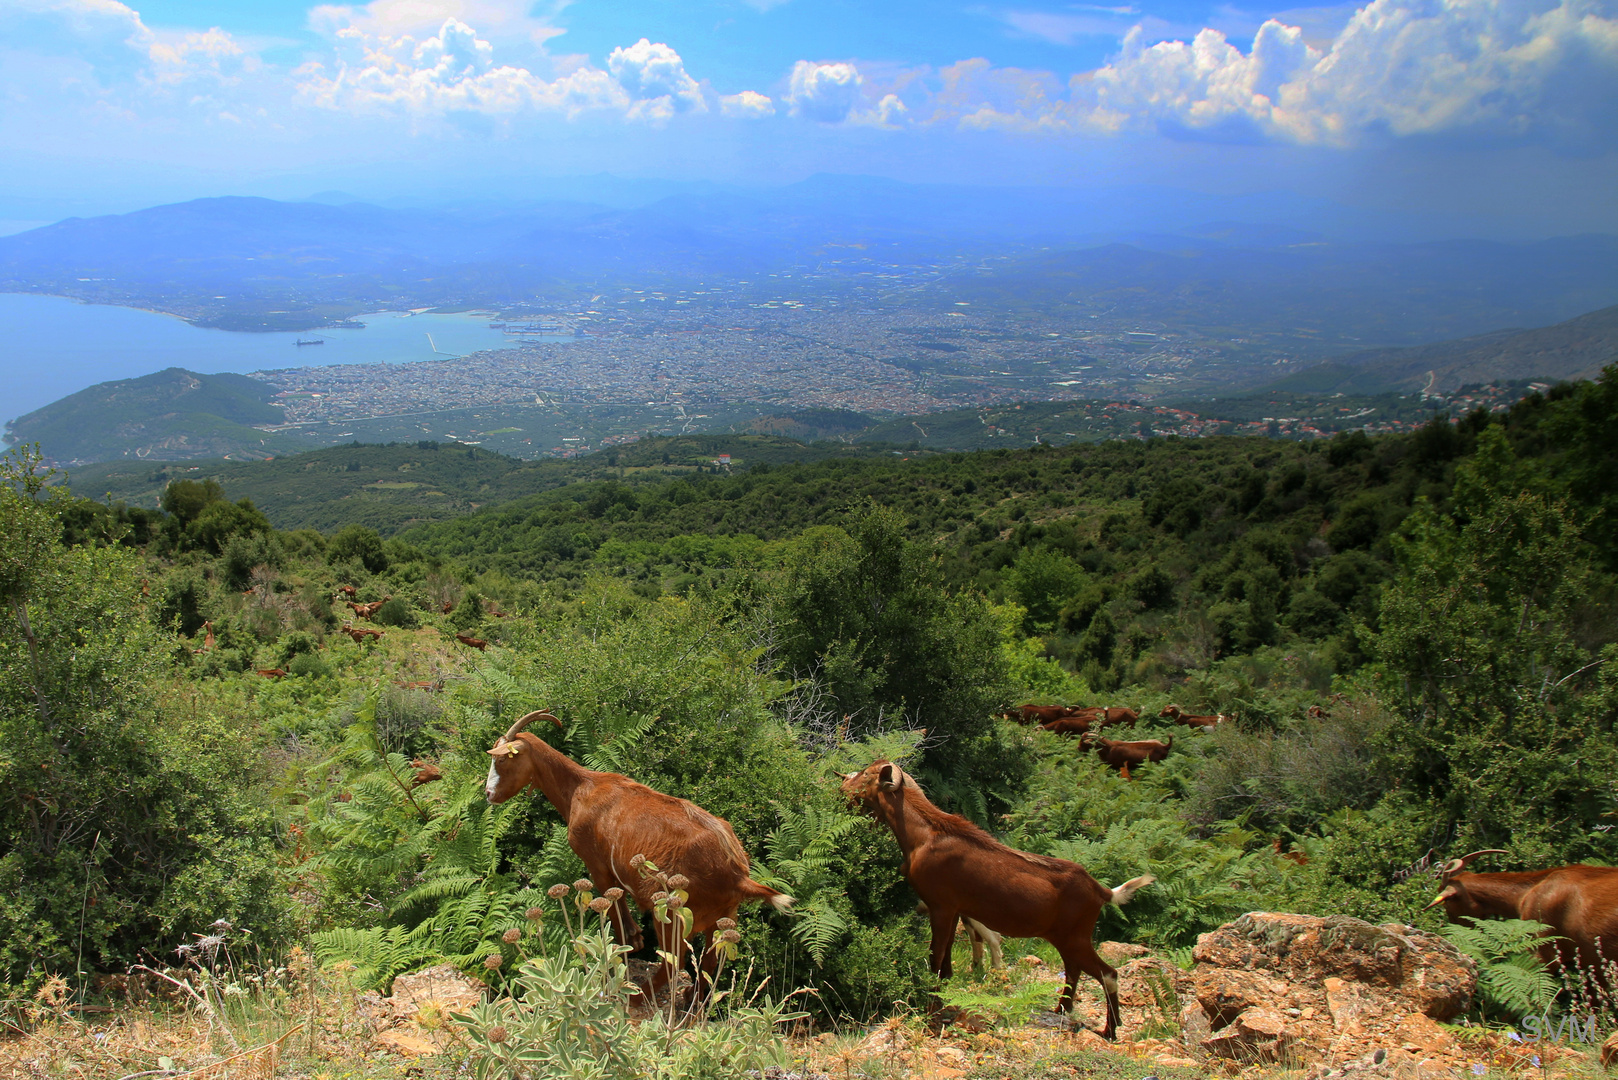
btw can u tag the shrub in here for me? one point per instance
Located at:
(397, 612)
(356, 543)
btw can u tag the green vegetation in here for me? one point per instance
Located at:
(171, 415)
(1443, 600)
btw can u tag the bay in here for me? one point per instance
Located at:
(52, 346)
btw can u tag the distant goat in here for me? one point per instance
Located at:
(1180, 716)
(349, 591)
(359, 633)
(368, 611)
(980, 936)
(1035, 714)
(958, 869)
(1121, 755)
(272, 673)
(1579, 903)
(426, 772)
(611, 819)
(477, 643)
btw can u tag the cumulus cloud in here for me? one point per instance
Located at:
(747, 105)
(452, 71)
(655, 77)
(824, 92)
(1404, 67)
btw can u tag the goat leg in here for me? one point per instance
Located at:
(943, 924)
(1081, 956)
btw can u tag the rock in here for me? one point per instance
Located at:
(1258, 1034)
(1350, 1004)
(1421, 967)
(1118, 953)
(1609, 1051)
(428, 997)
(952, 1055)
(887, 1039)
(1194, 1025)
(1225, 995)
(406, 1042)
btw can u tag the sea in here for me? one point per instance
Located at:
(52, 346)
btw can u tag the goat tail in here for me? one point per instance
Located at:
(1122, 894)
(752, 890)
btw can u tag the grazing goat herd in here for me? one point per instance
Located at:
(959, 871)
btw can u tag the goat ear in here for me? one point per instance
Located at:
(1449, 891)
(892, 777)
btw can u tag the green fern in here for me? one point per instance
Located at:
(803, 851)
(1511, 977)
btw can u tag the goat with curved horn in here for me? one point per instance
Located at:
(1455, 866)
(524, 721)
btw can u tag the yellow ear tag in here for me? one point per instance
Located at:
(513, 748)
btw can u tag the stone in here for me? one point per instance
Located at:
(886, 1039)
(1609, 1052)
(1258, 1034)
(1225, 994)
(1426, 970)
(428, 997)
(1350, 1004)
(406, 1042)
(1194, 1025)
(952, 1055)
(1118, 953)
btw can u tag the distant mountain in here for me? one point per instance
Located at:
(253, 263)
(172, 415)
(1576, 349)
(1312, 291)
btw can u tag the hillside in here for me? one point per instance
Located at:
(170, 415)
(1576, 349)
(395, 486)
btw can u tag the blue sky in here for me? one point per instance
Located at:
(1498, 113)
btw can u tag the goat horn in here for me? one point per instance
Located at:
(1460, 864)
(1449, 891)
(537, 714)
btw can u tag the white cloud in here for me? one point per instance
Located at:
(824, 92)
(655, 76)
(509, 21)
(452, 71)
(1483, 68)
(747, 105)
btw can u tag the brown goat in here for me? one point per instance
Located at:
(1579, 904)
(980, 936)
(426, 772)
(959, 870)
(611, 819)
(1035, 714)
(1123, 754)
(1072, 724)
(359, 633)
(368, 611)
(1180, 716)
(477, 643)
(271, 673)
(349, 591)
(207, 641)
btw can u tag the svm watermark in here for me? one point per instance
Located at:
(1564, 1028)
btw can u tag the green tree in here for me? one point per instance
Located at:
(1480, 630)
(120, 829)
(356, 543)
(867, 610)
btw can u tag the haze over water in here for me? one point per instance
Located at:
(55, 346)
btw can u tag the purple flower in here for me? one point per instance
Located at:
(1535, 1060)
(1479, 1070)
(1513, 1036)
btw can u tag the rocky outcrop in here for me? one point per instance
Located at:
(1274, 987)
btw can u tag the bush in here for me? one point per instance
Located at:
(397, 612)
(356, 543)
(309, 665)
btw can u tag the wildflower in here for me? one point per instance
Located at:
(1513, 1036)
(535, 913)
(730, 937)
(635, 861)
(600, 905)
(497, 1034)
(659, 896)
(726, 924)
(512, 936)
(493, 961)
(584, 885)
(1479, 1070)
(1535, 1060)
(614, 894)
(556, 892)
(679, 881)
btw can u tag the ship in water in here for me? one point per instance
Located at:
(315, 341)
